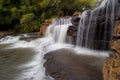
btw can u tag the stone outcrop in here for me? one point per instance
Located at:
(111, 68)
(44, 26)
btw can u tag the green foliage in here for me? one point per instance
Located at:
(27, 18)
(43, 16)
(15, 13)
(27, 23)
(27, 15)
(5, 16)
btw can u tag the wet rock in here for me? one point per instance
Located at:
(72, 31)
(75, 20)
(63, 64)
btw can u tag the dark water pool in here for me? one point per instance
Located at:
(11, 59)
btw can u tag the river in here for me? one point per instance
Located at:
(21, 57)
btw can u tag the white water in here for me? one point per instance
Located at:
(55, 35)
(9, 39)
(54, 39)
(34, 70)
(88, 24)
(58, 30)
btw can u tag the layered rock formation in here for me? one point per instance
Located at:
(111, 68)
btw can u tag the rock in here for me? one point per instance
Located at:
(5, 33)
(116, 33)
(76, 13)
(75, 20)
(63, 64)
(116, 46)
(72, 31)
(44, 26)
(111, 68)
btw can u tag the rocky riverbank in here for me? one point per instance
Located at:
(64, 64)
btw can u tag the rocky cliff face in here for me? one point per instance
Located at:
(111, 68)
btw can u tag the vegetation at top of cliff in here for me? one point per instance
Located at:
(27, 15)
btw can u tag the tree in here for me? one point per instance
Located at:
(28, 15)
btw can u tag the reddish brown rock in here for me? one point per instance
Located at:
(44, 26)
(111, 68)
(76, 13)
(117, 29)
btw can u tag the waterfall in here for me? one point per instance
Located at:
(96, 26)
(94, 31)
(58, 30)
(55, 37)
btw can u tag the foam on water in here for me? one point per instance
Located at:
(34, 69)
(89, 52)
(9, 39)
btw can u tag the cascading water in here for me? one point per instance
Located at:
(58, 30)
(55, 35)
(96, 26)
(54, 39)
(89, 34)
